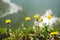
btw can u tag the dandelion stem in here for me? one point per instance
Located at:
(10, 26)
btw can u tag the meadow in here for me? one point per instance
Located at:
(31, 32)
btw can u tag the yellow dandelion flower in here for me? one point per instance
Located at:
(36, 17)
(41, 19)
(27, 18)
(49, 16)
(52, 33)
(8, 21)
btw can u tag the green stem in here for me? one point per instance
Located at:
(9, 26)
(46, 38)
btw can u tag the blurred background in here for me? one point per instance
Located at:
(29, 8)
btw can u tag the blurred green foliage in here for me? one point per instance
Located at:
(25, 33)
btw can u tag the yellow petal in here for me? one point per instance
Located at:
(36, 17)
(49, 16)
(27, 18)
(41, 19)
(8, 21)
(52, 33)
